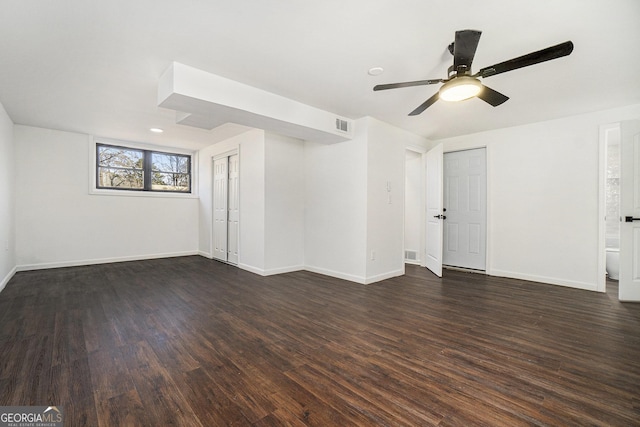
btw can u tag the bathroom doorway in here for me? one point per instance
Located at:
(612, 202)
(609, 204)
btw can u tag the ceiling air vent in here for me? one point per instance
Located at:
(342, 125)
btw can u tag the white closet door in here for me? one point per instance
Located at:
(233, 216)
(465, 195)
(220, 198)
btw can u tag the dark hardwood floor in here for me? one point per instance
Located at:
(189, 341)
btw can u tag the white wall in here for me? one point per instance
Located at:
(336, 206)
(543, 197)
(252, 206)
(59, 223)
(7, 199)
(386, 147)
(284, 198)
(348, 217)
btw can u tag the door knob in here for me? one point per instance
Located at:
(440, 216)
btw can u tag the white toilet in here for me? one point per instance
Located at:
(613, 263)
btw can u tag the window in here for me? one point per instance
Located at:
(124, 168)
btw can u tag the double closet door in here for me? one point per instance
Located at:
(226, 214)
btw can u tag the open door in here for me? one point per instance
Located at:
(629, 284)
(435, 214)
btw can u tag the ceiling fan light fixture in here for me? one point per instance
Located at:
(460, 88)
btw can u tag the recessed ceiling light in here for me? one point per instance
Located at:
(375, 71)
(156, 130)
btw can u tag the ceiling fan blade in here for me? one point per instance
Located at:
(406, 84)
(553, 52)
(426, 104)
(464, 48)
(491, 96)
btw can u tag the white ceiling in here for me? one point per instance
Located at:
(93, 66)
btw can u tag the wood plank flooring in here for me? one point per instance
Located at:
(192, 342)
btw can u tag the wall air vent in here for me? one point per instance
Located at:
(342, 125)
(410, 255)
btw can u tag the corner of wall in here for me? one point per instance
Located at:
(7, 278)
(7, 198)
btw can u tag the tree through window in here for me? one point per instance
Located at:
(124, 168)
(170, 172)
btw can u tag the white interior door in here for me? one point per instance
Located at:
(629, 284)
(220, 207)
(465, 195)
(433, 256)
(233, 216)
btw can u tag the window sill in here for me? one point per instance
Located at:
(125, 193)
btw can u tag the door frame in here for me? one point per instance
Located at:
(486, 202)
(448, 148)
(421, 249)
(604, 129)
(228, 153)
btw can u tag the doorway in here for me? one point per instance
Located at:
(465, 209)
(610, 156)
(458, 223)
(413, 206)
(226, 208)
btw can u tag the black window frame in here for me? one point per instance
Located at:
(147, 169)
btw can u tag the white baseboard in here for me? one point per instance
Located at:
(251, 269)
(272, 271)
(325, 272)
(354, 278)
(383, 276)
(7, 278)
(205, 254)
(336, 274)
(262, 272)
(43, 266)
(283, 270)
(544, 279)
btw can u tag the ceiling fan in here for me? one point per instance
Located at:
(461, 84)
